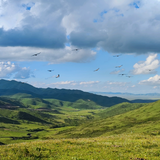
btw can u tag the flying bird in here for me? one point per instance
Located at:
(129, 76)
(76, 49)
(50, 70)
(117, 55)
(96, 70)
(58, 76)
(119, 66)
(36, 54)
(122, 74)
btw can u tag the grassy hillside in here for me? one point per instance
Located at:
(145, 120)
(124, 147)
(36, 103)
(42, 123)
(58, 121)
(119, 109)
(68, 131)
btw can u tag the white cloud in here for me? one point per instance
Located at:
(117, 83)
(89, 82)
(51, 55)
(151, 81)
(23, 73)
(148, 66)
(7, 69)
(75, 83)
(90, 23)
(63, 83)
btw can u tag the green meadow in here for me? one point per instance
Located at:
(35, 128)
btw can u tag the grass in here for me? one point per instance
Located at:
(64, 131)
(144, 119)
(115, 147)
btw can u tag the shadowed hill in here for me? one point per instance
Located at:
(13, 87)
(10, 102)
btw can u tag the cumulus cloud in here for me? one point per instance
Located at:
(151, 81)
(7, 69)
(117, 27)
(123, 27)
(23, 73)
(51, 55)
(148, 66)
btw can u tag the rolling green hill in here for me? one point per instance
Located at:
(119, 109)
(123, 131)
(143, 119)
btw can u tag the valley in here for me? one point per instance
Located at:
(37, 128)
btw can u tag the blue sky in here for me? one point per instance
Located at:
(100, 31)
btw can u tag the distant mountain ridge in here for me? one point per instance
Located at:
(126, 93)
(13, 87)
(139, 98)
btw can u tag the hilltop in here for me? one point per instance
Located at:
(10, 88)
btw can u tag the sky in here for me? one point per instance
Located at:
(117, 42)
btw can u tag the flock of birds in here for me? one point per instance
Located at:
(50, 70)
(77, 49)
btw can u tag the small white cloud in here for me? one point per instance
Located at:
(151, 81)
(148, 66)
(133, 86)
(7, 69)
(63, 83)
(23, 73)
(117, 83)
(89, 82)
(74, 83)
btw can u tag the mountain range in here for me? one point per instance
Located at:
(10, 88)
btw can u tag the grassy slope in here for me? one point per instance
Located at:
(54, 103)
(52, 121)
(123, 147)
(124, 143)
(145, 119)
(119, 109)
(21, 121)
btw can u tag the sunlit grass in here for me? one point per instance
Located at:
(125, 147)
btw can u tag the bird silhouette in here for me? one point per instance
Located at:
(119, 66)
(50, 70)
(36, 54)
(129, 76)
(96, 70)
(122, 74)
(117, 55)
(76, 49)
(58, 76)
